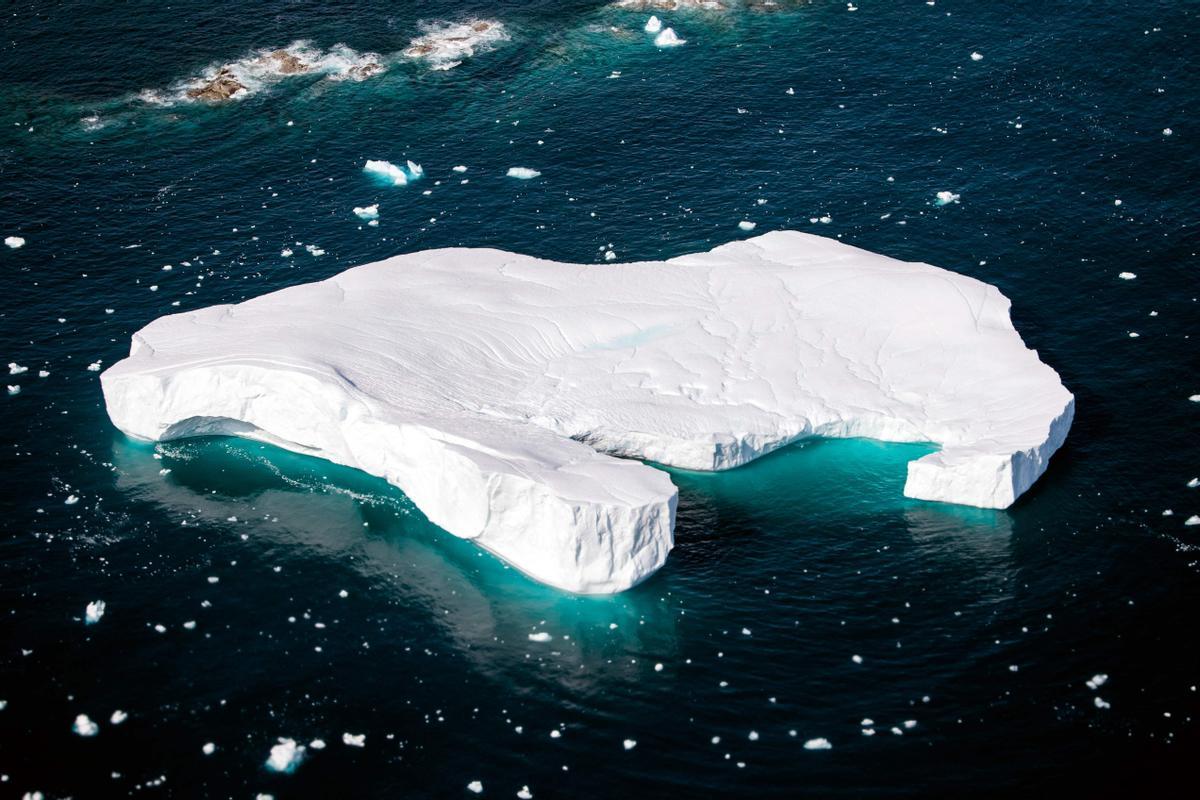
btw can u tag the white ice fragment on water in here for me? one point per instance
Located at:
(14, 389)
(1193, 483)
(977, 56)
(1192, 520)
(367, 212)
(653, 25)
(317, 744)
(790, 90)
(414, 169)
(820, 743)
(667, 38)
(93, 612)
(857, 659)
(354, 739)
(524, 793)
(555, 734)
(1127, 276)
(629, 744)
(1097, 680)
(286, 252)
(71, 500)
(1195, 398)
(84, 726)
(43, 373)
(343, 594)
(1167, 131)
(118, 717)
(475, 786)
(747, 225)
(209, 748)
(1101, 703)
(523, 173)
(190, 625)
(945, 198)
(16, 369)
(540, 636)
(867, 722)
(314, 250)
(14, 241)
(285, 756)
(909, 724)
(388, 172)
(609, 255)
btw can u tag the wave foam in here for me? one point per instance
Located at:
(446, 44)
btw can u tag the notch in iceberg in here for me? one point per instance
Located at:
(508, 395)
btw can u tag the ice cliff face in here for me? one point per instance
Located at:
(496, 389)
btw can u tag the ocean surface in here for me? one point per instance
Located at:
(252, 594)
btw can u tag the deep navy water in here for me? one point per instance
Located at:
(981, 628)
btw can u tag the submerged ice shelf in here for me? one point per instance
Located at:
(506, 394)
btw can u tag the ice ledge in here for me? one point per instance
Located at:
(484, 383)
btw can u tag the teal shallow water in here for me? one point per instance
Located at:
(783, 570)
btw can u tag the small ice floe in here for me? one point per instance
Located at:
(71, 500)
(93, 612)
(286, 252)
(13, 389)
(285, 756)
(1195, 398)
(459, 168)
(524, 793)
(790, 90)
(14, 241)
(820, 743)
(629, 744)
(84, 726)
(367, 212)
(1167, 131)
(609, 255)
(354, 739)
(445, 45)
(393, 174)
(1193, 483)
(317, 744)
(667, 38)
(540, 636)
(16, 369)
(653, 25)
(118, 717)
(523, 173)
(475, 787)
(1192, 520)
(94, 366)
(208, 749)
(1101, 703)
(977, 56)
(747, 225)
(1127, 276)
(946, 198)
(1096, 681)
(314, 250)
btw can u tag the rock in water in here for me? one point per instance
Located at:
(222, 87)
(500, 391)
(286, 63)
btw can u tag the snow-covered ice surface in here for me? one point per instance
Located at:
(506, 395)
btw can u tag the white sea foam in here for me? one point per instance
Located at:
(444, 45)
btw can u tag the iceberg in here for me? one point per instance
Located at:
(668, 39)
(653, 25)
(390, 173)
(508, 396)
(523, 173)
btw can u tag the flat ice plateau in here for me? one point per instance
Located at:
(507, 395)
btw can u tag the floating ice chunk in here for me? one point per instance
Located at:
(317, 744)
(314, 250)
(460, 168)
(819, 743)
(629, 744)
(16, 369)
(523, 173)
(93, 612)
(475, 786)
(1193, 483)
(393, 358)
(977, 56)
(367, 212)
(208, 749)
(414, 169)
(667, 38)
(1097, 680)
(94, 366)
(118, 717)
(747, 225)
(1167, 131)
(1195, 398)
(857, 659)
(354, 739)
(653, 25)
(524, 793)
(84, 726)
(790, 90)
(1127, 276)
(540, 636)
(285, 756)
(945, 198)
(1101, 703)
(1192, 520)
(13, 389)
(386, 171)
(14, 241)
(71, 500)
(286, 252)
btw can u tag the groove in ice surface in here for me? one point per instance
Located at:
(495, 389)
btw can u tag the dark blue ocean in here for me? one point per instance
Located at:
(253, 594)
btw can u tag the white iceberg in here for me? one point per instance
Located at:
(507, 395)
(523, 173)
(285, 756)
(367, 212)
(667, 38)
(93, 612)
(653, 25)
(392, 173)
(14, 242)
